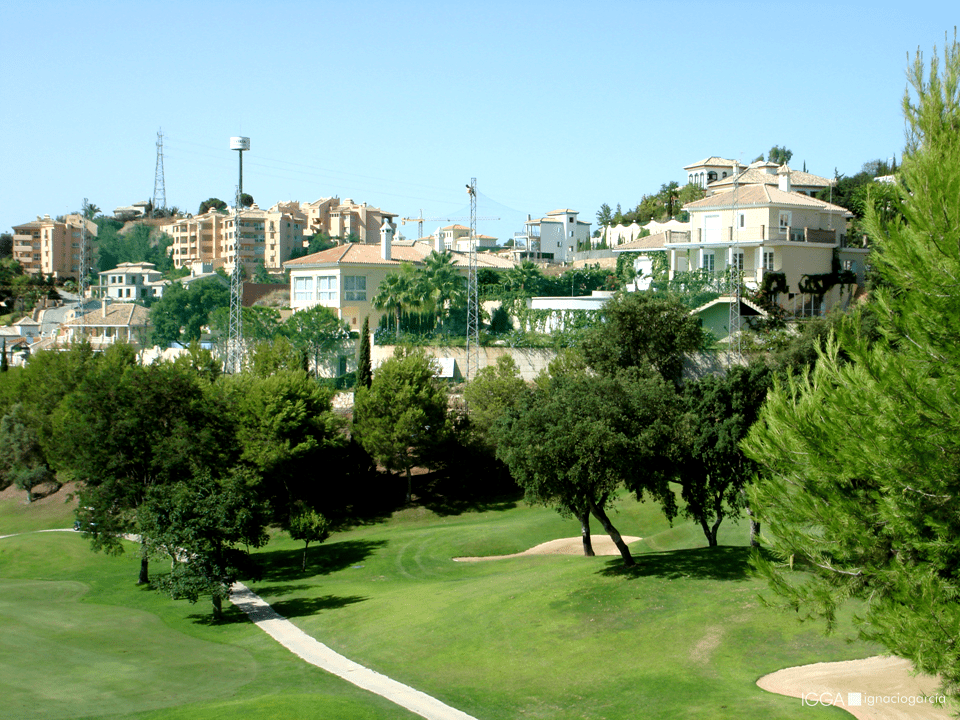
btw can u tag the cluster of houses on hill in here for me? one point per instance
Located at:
(760, 219)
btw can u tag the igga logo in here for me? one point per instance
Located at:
(813, 699)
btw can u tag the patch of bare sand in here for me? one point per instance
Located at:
(602, 545)
(885, 684)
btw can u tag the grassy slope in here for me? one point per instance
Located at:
(559, 637)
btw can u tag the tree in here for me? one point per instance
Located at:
(712, 469)
(861, 456)
(643, 330)
(92, 211)
(575, 438)
(308, 526)
(22, 461)
(364, 371)
(6, 245)
(318, 332)
(246, 200)
(604, 215)
(205, 526)
(4, 362)
(181, 314)
(402, 417)
(211, 204)
(779, 155)
(443, 283)
(491, 393)
(525, 277)
(129, 428)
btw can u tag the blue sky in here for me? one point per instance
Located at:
(398, 104)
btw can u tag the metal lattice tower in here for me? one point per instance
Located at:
(473, 295)
(736, 276)
(234, 359)
(82, 275)
(159, 188)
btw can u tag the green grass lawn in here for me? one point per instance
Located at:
(681, 635)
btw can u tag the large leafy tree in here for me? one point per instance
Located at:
(129, 428)
(318, 332)
(443, 284)
(494, 390)
(402, 417)
(861, 456)
(181, 314)
(643, 330)
(575, 438)
(22, 460)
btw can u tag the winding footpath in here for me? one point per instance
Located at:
(316, 653)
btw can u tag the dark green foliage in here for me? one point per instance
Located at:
(779, 155)
(308, 526)
(861, 456)
(141, 244)
(318, 333)
(575, 438)
(6, 245)
(214, 203)
(4, 362)
(205, 527)
(713, 472)
(364, 370)
(181, 314)
(22, 460)
(490, 394)
(402, 417)
(500, 321)
(646, 331)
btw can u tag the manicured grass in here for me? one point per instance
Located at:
(681, 635)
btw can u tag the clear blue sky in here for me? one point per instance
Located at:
(398, 104)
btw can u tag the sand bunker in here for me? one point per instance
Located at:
(883, 687)
(602, 545)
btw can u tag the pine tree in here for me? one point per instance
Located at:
(861, 489)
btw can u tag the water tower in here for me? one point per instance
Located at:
(240, 144)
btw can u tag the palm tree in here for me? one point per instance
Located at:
(399, 290)
(525, 276)
(444, 283)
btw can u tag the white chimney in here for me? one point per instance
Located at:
(783, 181)
(386, 240)
(438, 244)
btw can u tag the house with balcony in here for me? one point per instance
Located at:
(53, 247)
(557, 234)
(758, 229)
(111, 323)
(347, 277)
(132, 281)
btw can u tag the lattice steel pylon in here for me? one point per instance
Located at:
(82, 274)
(736, 278)
(234, 359)
(159, 188)
(473, 295)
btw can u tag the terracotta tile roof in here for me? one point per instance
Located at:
(566, 211)
(650, 242)
(713, 160)
(369, 254)
(759, 195)
(115, 315)
(754, 175)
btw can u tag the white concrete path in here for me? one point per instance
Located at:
(316, 653)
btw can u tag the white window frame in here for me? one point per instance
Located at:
(708, 261)
(302, 289)
(355, 288)
(768, 260)
(327, 288)
(784, 227)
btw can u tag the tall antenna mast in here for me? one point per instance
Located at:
(234, 360)
(473, 296)
(82, 275)
(159, 189)
(736, 274)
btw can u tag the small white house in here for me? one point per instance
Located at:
(132, 281)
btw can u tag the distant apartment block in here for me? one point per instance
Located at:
(342, 219)
(52, 247)
(267, 236)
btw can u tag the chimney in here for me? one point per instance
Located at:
(386, 240)
(784, 179)
(438, 243)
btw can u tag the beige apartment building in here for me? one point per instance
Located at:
(267, 236)
(342, 219)
(52, 247)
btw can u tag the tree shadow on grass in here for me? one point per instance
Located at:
(301, 607)
(286, 565)
(716, 563)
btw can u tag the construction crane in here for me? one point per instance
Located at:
(421, 220)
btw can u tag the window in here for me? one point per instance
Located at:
(850, 265)
(784, 223)
(707, 261)
(327, 288)
(768, 260)
(737, 260)
(355, 287)
(303, 289)
(741, 220)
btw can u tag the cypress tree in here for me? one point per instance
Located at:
(364, 372)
